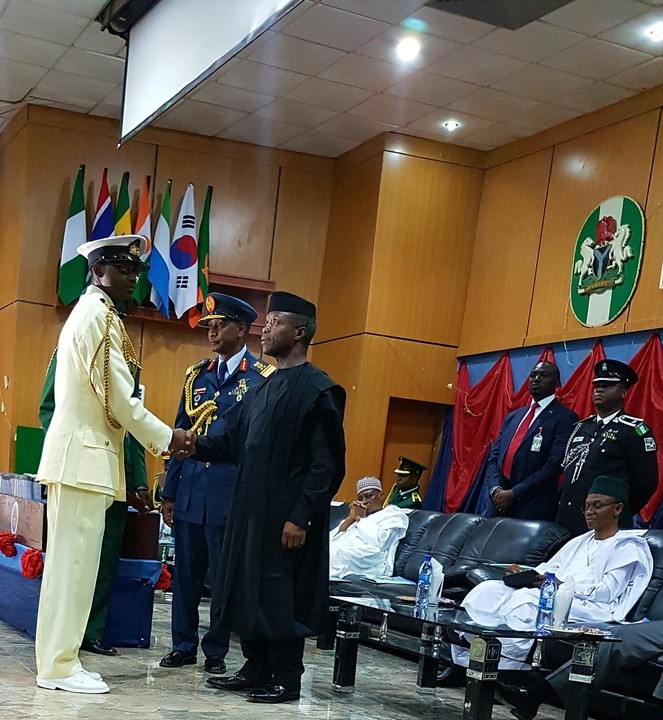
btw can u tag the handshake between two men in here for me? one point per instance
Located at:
(182, 444)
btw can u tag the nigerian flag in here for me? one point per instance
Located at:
(203, 260)
(122, 209)
(73, 267)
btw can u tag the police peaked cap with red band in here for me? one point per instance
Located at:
(287, 302)
(227, 307)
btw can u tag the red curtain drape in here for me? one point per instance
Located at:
(645, 400)
(478, 414)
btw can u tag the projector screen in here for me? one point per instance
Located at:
(176, 45)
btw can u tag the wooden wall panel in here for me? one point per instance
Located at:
(505, 254)
(54, 155)
(373, 370)
(243, 208)
(12, 203)
(347, 271)
(612, 161)
(300, 232)
(8, 365)
(413, 429)
(646, 309)
(38, 329)
(423, 248)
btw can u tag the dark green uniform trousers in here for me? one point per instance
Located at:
(111, 547)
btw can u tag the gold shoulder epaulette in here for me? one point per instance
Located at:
(197, 366)
(265, 369)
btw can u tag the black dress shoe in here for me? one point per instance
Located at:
(97, 647)
(232, 682)
(272, 694)
(215, 665)
(176, 659)
(451, 676)
(523, 705)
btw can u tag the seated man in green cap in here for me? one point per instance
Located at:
(405, 491)
(611, 569)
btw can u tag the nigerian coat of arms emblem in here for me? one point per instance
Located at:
(606, 261)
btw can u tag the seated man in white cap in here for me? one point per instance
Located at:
(365, 542)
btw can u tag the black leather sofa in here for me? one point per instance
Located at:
(464, 543)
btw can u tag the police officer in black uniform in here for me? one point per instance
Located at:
(608, 443)
(196, 495)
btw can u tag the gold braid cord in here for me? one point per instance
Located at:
(201, 415)
(128, 352)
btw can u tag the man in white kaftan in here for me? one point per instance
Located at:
(611, 569)
(365, 542)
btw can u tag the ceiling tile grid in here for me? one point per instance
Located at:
(326, 76)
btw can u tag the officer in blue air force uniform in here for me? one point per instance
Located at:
(196, 495)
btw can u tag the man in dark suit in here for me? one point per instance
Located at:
(525, 461)
(196, 495)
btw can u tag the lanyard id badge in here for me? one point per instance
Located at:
(537, 441)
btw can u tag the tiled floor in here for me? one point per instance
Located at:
(140, 689)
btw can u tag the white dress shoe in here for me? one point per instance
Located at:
(79, 682)
(94, 675)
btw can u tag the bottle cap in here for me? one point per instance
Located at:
(550, 576)
(428, 556)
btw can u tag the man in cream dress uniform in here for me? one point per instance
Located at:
(82, 461)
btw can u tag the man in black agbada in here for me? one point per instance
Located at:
(286, 438)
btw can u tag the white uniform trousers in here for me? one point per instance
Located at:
(75, 530)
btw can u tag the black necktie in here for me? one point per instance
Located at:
(221, 370)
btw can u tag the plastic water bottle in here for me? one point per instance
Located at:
(424, 582)
(544, 618)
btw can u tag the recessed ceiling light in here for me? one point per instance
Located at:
(451, 125)
(655, 32)
(408, 49)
